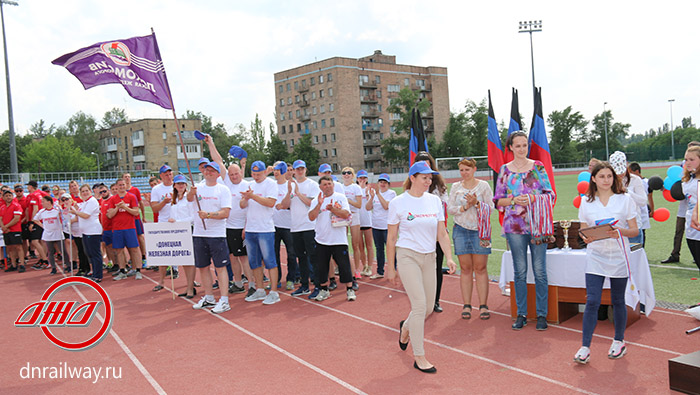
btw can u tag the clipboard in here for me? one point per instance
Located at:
(598, 232)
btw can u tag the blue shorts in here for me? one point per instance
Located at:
(261, 248)
(208, 249)
(467, 242)
(107, 237)
(139, 226)
(124, 238)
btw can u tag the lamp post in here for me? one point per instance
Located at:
(531, 27)
(605, 116)
(98, 163)
(10, 117)
(673, 146)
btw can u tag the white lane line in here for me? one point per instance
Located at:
(692, 269)
(550, 325)
(275, 347)
(441, 345)
(139, 366)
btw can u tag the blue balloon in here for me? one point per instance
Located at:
(668, 183)
(674, 173)
(584, 176)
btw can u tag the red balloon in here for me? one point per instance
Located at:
(667, 196)
(662, 214)
(577, 201)
(582, 187)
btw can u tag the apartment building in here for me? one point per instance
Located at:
(342, 103)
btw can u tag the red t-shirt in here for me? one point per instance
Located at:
(123, 220)
(104, 219)
(23, 202)
(8, 214)
(34, 200)
(135, 191)
(77, 199)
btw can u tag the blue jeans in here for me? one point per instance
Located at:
(518, 246)
(261, 249)
(594, 290)
(94, 253)
(379, 236)
(638, 238)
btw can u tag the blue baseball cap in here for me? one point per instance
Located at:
(257, 166)
(203, 160)
(281, 166)
(334, 178)
(362, 173)
(179, 178)
(199, 135)
(237, 152)
(298, 163)
(384, 177)
(324, 168)
(214, 166)
(420, 168)
(165, 168)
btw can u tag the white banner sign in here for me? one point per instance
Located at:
(168, 244)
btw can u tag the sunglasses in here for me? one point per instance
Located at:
(103, 191)
(65, 200)
(347, 172)
(19, 189)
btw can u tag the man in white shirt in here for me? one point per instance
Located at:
(328, 210)
(235, 233)
(161, 194)
(283, 224)
(210, 243)
(300, 193)
(260, 199)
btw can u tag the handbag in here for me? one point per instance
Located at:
(338, 222)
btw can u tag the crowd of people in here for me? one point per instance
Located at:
(238, 227)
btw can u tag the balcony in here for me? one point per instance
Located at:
(304, 103)
(305, 117)
(139, 158)
(368, 99)
(423, 88)
(111, 147)
(429, 126)
(427, 114)
(373, 156)
(368, 84)
(302, 89)
(370, 114)
(372, 142)
(373, 127)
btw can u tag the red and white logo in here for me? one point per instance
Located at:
(49, 313)
(118, 52)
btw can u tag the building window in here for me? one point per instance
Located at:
(289, 115)
(406, 82)
(298, 127)
(315, 125)
(392, 88)
(291, 128)
(296, 99)
(303, 83)
(394, 116)
(364, 79)
(298, 113)
(165, 150)
(379, 108)
(303, 97)
(320, 79)
(284, 129)
(323, 138)
(334, 152)
(377, 79)
(331, 107)
(380, 122)
(306, 112)
(296, 85)
(313, 81)
(282, 117)
(330, 92)
(289, 100)
(281, 88)
(320, 93)
(288, 87)
(323, 124)
(306, 128)
(379, 93)
(120, 156)
(330, 77)
(315, 139)
(284, 142)
(313, 95)
(333, 124)
(313, 110)
(165, 135)
(281, 102)
(325, 153)
(291, 142)
(332, 136)
(323, 108)
(420, 83)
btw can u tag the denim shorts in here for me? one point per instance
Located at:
(467, 242)
(261, 249)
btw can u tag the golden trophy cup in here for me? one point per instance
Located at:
(565, 225)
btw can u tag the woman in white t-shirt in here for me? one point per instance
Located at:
(417, 219)
(88, 212)
(606, 202)
(366, 242)
(690, 190)
(49, 217)
(380, 196)
(354, 194)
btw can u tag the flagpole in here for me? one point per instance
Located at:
(177, 124)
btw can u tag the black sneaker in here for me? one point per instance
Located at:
(235, 289)
(53, 271)
(520, 322)
(250, 291)
(541, 323)
(333, 285)
(215, 285)
(21, 269)
(355, 287)
(176, 275)
(10, 269)
(671, 259)
(38, 266)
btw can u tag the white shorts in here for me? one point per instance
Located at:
(355, 219)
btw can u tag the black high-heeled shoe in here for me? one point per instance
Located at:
(403, 346)
(185, 295)
(431, 369)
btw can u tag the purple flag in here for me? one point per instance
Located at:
(135, 63)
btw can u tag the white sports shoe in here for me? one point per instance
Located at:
(220, 307)
(322, 295)
(351, 295)
(259, 294)
(582, 355)
(138, 276)
(617, 349)
(203, 304)
(272, 298)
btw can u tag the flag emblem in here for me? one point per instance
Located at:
(118, 52)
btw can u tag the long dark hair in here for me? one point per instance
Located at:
(438, 183)
(593, 188)
(512, 136)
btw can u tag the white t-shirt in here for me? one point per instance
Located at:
(236, 219)
(158, 194)
(183, 211)
(379, 215)
(259, 217)
(91, 225)
(690, 190)
(605, 257)
(326, 234)
(211, 198)
(282, 218)
(300, 211)
(352, 191)
(51, 222)
(365, 216)
(338, 187)
(417, 219)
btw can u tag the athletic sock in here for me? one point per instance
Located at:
(239, 284)
(224, 299)
(251, 284)
(210, 299)
(122, 271)
(324, 287)
(348, 288)
(138, 270)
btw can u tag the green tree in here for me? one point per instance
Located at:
(564, 125)
(305, 151)
(276, 149)
(594, 138)
(20, 142)
(395, 146)
(54, 154)
(81, 128)
(254, 141)
(222, 139)
(39, 129)
(114, 117)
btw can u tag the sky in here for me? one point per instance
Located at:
(220, 56)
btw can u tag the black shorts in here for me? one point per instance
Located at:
(365, 227)
(234, 239)
(25, 231)
(12, 238)
(36, 233)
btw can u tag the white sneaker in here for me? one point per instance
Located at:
(259, 294)
(138, 276)
(351, 295)
(582, 355)
(617, 349)
(120, 276)
(203, 304)
(322, 295)
(220, 307)
(131, 273)
(376, 276)
(272, 298)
